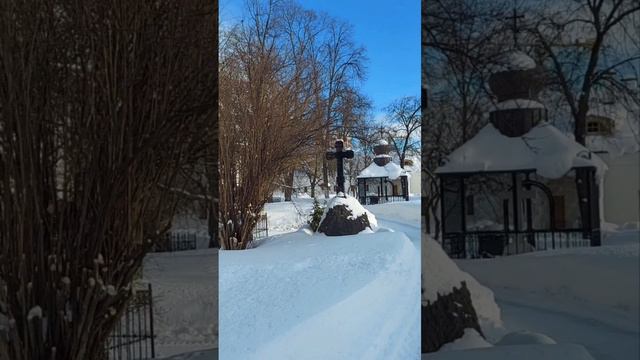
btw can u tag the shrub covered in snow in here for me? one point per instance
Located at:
(316, 215)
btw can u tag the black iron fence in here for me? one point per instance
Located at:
(499, 243)
(261, 230)
(372, 200)
(133, 338)
(177, 242)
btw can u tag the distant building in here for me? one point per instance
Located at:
(383, 180)
(612, 133)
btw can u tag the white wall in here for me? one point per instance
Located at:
(622, 188)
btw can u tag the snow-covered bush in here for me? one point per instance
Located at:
(316, 215)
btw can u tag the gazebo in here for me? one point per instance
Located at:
(383, 180)
(520, 184)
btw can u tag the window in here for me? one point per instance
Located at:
(599, 125)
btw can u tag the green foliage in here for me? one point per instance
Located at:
(316, 215)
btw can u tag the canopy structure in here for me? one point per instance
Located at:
(504, 195)
(383, 183)
(544, 150)
(520, 184)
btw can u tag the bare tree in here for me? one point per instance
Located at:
(102, 105)
(405, 122)
(589, 44)
(343, 63)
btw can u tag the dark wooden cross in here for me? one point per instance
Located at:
(339, 154)
(514, 25)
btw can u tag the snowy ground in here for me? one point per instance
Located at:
(358, 295)
(185, 300)
(584, 296)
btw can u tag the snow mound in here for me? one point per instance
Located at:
(441, 274)
(470, 340)
(352, 204)
(516, 352)
(525, 337)
(544, 149)
(358, 295)
(390, 170)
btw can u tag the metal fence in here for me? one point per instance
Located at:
(373, 200)
(497, 243)
(261, 230)
(133, 337)
(177, 242)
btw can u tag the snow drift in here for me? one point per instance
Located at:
(357, 295)
(441, 274)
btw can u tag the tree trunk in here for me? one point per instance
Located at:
(288, 190)
(325, 178)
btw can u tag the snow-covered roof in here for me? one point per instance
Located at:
(518, 104)
(390, 170)
(514, 60)
(544, 149)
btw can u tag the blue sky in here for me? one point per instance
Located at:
(389, 30)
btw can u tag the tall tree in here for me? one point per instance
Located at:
(404, 126)
(589, 44)
(267, 110)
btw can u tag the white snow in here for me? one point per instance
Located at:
(34, 312)
(185, 300)
(441, 274)
(524, 337)
(514, 60)
(289, 216)
(518, 104)
(586, 296)
(544, 149)
(592, 275)
(357, 295)
(390, 170)
(352, 204)
(516, 352)
(470, 340)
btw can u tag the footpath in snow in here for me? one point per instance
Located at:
(358, 295)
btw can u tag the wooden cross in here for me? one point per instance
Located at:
(514, 26)
(339, 154)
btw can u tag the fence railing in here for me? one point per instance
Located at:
(261, 230)
(374, 199)
(177, 242)
(133, 337)
(499, 243)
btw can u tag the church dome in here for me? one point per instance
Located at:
(516, 82)
(516, 76)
